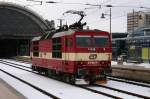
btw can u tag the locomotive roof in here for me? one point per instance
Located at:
(72, 31)
(95, 30)
(59, 34)
(62, 33)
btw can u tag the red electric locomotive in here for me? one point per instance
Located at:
(73, 54)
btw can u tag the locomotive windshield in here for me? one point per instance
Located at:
(83, 41)
(89, 41)
(100, 41)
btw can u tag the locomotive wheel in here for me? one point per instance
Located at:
(66, 78)
(92, 81)
(72, 79)
(39, 71)
(33, 68)
(46, 72)
(69, 78)
(50, 73)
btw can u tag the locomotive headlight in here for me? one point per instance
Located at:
(81, 63)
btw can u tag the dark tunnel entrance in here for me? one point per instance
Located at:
(12, 47)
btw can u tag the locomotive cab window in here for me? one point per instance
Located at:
(83, 41)
(100, 41)
(56, 48)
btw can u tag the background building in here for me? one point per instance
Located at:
(118, 45)
(138, 40)
(137, 19)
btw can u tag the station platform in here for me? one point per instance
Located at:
(132, 67)
(7, 92)
(139, 72)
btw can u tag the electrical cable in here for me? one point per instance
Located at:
(107, 19)
(107, 1)
(88, 4)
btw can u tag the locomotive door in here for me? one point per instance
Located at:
(68, 48)
(57, 50)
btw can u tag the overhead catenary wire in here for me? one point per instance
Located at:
(107, 1)
(140, 4)
(107, 19)
(102, 5)
(89, 4)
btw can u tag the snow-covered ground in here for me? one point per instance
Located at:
(142, 65)
(20, 63)
(116, 93)
(24, 89)
(60, 89)
(129, 87)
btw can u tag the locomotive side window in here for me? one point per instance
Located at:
(36, 54)
(83, 41)
(36, 48)
(56, 48)
(100, 41)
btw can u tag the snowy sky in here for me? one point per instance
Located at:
(93, 15)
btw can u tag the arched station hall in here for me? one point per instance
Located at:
(18, 25)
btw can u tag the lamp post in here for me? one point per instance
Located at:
(103, 16)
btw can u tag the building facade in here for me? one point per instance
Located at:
(137, 19)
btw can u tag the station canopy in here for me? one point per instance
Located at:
(19, 22)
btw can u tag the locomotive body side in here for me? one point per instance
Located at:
(74, 54)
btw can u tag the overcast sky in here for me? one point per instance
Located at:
(93, 15)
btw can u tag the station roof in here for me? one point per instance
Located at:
(18, 21)
(119, 35)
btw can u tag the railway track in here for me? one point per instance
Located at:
(21, 61)
(122, 91)
(119, 79)
(95, 91)
(15, 64)
(128, 81)
(31, 85)
(143, 84)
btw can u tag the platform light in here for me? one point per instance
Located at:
(103, 16)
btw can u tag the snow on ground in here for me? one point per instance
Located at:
(129, 87)
(25, 64)
(115, 93)
(113, 63)
(142, 65)
(60, 89)
(24, 89)
(67, 91)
